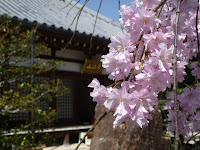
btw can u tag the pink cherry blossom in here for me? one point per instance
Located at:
(140, 64)
(196, 70)
(99, 93)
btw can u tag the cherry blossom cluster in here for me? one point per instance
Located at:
(140, 62)
(188, 115)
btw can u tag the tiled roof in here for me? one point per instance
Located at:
(54, 12)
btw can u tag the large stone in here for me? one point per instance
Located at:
(126, 137)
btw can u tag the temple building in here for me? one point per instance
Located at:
(57, 22)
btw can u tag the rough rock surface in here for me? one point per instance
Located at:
(126, 137)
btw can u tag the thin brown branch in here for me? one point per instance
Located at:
(43, 94)
(192, 137)
(162, 2)
(68, 4)
(137, 46)
(79, 13)
(197, 32)
(158, 15)
(143, 54)
(189, 140)
(92, 128)
(72, 8)
(94, 26)
(175, 84)
(77, 16)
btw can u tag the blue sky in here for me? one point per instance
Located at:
(109, 8)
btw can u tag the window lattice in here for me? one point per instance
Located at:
(19, 115)
(64, 102)
(44, 104)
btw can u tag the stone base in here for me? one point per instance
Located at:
(126, 137)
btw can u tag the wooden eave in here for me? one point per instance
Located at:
(57, 38)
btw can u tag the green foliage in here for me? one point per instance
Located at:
(16, 48)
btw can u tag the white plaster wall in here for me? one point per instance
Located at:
(66, 66)
(74, 54)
